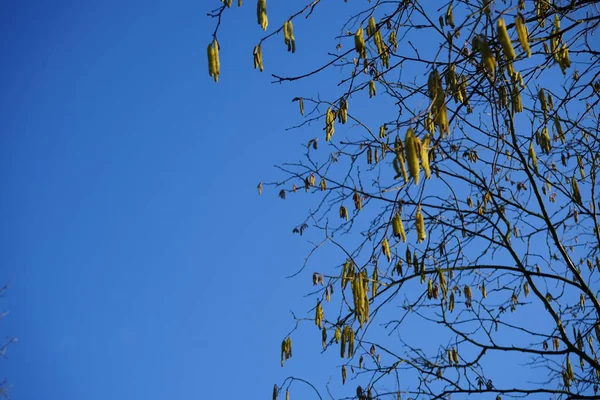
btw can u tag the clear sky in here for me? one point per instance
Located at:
(141, 262)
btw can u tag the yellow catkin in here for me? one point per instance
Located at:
(372, 89)
(576, 192)
(371, 27)
(393, 41)
(504, 38)
(329, 124)
(517, 104)
(385, 249)
(398, 227)
(319, 314)
(210, 53)
(412, 158)
(357, 200)
(545, 141)
(261, 14)
(541, 8)
(214, 67)
(487, 57)
(449, 19)
(511, 70)
(344, 213)
(401, 161)
(438, 101)
(258, 60)
(559, 130)
(382, 131)
(463, 90)
(350, 340)
(523, 33)
(542, 98)
(359, 43)
(533, 157)
(358, 295)
(425, 157)
(286, 32)
(375, 282)
(378, 39)
(429, 125)
(288, 36)
(580, 164)
(420, 225)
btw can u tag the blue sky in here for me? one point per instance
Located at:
(142, 263)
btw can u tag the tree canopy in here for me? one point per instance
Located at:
(453, 170)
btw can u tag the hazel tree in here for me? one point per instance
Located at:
(454, 171)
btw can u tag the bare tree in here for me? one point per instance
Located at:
(457, 178)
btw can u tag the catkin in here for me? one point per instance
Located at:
(504, 38)
(533, 157)
(261, 14)
(420, 225)
(425, 157)
(523, 33)
(214, 67)
(411, 155)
